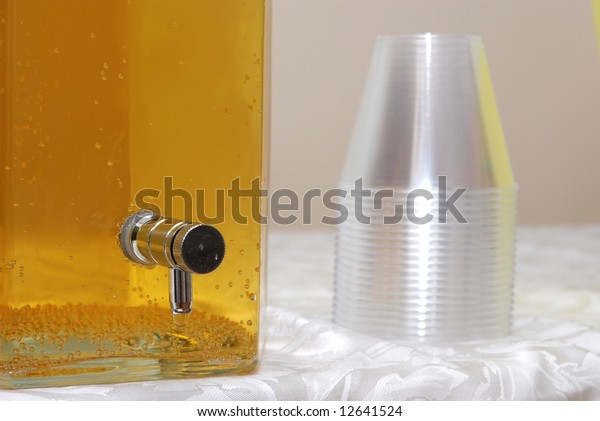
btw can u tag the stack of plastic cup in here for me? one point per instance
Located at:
(427, 253)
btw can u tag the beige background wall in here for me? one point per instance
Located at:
(544, 64)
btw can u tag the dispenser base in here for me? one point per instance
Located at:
(120, 370)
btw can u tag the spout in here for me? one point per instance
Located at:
(180, 292)
(184, 247)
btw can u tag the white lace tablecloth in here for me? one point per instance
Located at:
(554, 352)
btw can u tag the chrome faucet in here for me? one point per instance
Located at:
(184, 247)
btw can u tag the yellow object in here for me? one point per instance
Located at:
(100, 100)
(494, 134)
(596, 11)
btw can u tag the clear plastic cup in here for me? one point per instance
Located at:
(428, 124)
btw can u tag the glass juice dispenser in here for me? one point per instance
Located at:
(132, 158)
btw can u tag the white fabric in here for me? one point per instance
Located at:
(554, 352)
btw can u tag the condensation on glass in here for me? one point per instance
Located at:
(106, 107)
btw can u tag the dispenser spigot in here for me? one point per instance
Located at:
(184, 247)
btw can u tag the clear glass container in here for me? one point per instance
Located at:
(106, 107)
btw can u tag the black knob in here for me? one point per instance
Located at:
(198, 248)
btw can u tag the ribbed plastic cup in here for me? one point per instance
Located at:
(414, 262)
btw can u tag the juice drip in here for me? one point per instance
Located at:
(181, 319)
